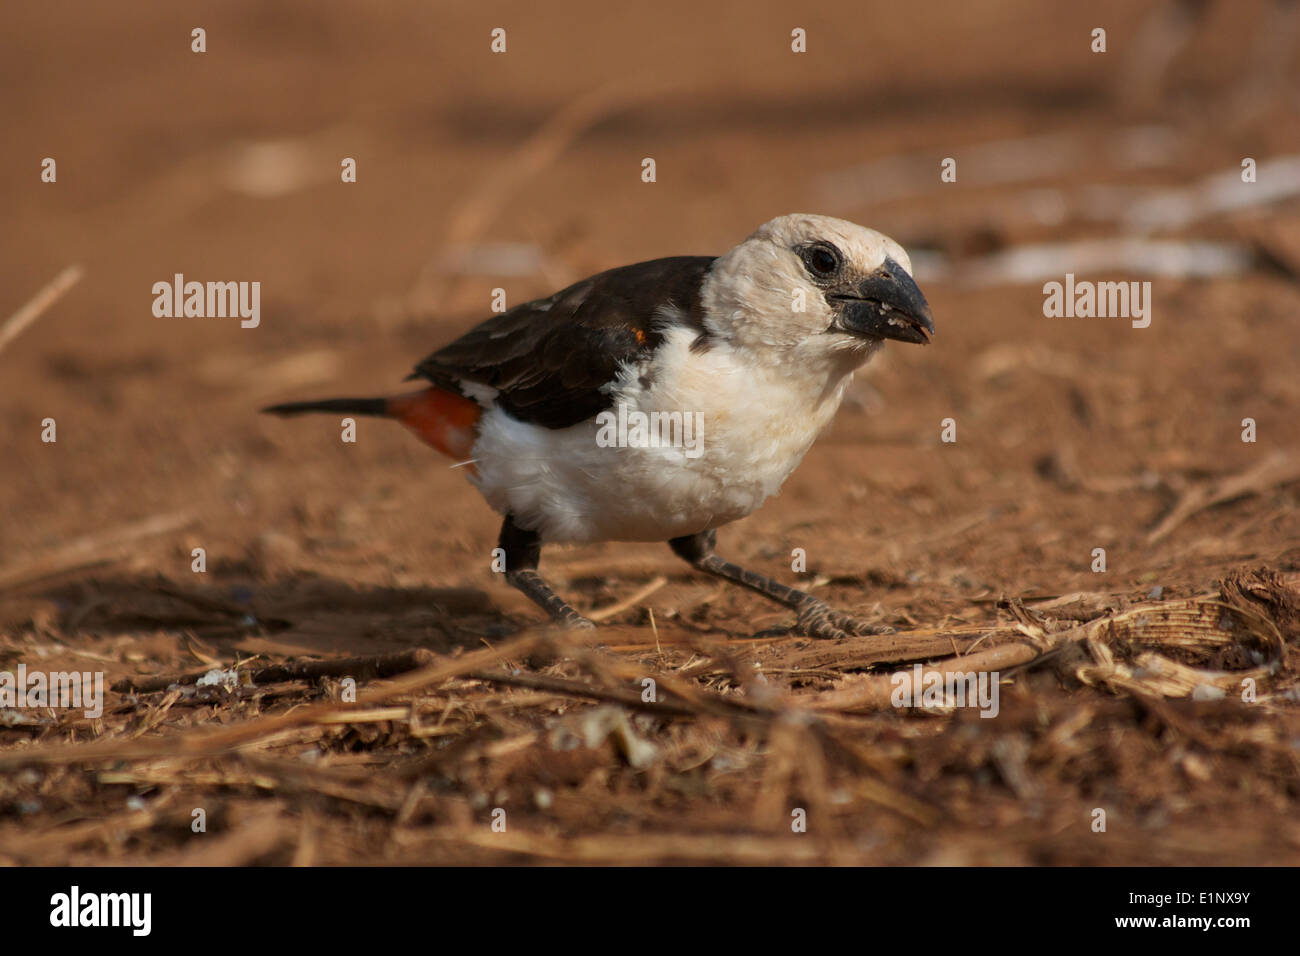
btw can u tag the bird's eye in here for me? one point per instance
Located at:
(822, 259)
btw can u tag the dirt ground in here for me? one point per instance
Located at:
(489, 739)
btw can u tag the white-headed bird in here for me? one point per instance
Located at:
(662, 400)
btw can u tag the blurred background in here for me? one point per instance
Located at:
(522, 171)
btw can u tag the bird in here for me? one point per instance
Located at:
(662, 400)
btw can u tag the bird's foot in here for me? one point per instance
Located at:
(819, 620)
(571, 620)
(544, 596)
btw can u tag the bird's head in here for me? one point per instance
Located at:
(818, 286)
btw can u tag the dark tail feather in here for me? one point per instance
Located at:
(357, 406)
(445, 420)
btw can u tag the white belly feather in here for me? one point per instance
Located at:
(757, 424)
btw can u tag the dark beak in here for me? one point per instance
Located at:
(885, 305)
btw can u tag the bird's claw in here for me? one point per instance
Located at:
(819, 620)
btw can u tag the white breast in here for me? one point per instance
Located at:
(757, 422)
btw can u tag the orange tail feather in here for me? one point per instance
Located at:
(443, 419)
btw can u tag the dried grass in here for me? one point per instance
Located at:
(565, 737)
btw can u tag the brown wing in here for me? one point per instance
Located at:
(550, 360)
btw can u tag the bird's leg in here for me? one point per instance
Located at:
(523, 549)
(816, 617)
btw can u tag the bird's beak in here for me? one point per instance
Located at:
(885, 305)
